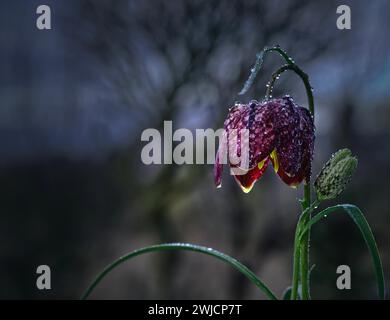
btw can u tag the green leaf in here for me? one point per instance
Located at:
(255, 69)
(287, 293)
(186, 247)
(259, 63)
(358, 217)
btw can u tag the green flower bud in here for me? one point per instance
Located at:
(335, 175)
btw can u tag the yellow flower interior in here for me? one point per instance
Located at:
(275, 161)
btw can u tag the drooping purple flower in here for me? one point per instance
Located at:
(277, 131)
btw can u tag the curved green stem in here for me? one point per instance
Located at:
(283, 53)
(305, 79)
(187, 247)
(303, 244)
(259, 63)
(358, 218)
(290, 65)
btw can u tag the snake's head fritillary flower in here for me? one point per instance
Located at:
(277, 131)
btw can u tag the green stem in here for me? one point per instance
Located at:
(259, 63)
(187, 247)
(301, 225)
(296, 269)
(301, 248)
(301, 245)
(305, 246)
(283, 53)
(305, 78)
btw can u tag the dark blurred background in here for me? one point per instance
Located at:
(75, 99)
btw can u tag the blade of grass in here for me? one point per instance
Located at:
(287, 293)
(186, 247)
(359, 219)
